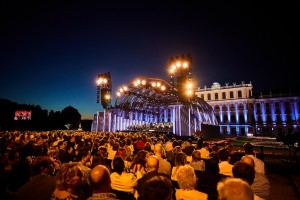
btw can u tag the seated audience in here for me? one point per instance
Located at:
(101, 184)
(207, 181)
(259, 164)
(42, 181)
(197, 163)
(123, 182)
(158, 186)
(225, 167)
(261, 185)
(69, 177)
(186, 179)
(234, 189)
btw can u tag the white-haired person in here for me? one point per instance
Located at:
(234, 189)
(186, 179)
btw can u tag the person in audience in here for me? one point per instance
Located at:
(197, 163)
(123, 181)
(42, 181)
(233, 154)
(234, 189)
(69, 177)
(101, 184)
(180, 160)
(207, 180)
(158, 186)
(164, 165)
(225, 167)
(205, 151)
(259, 164)
(139, 162)
(186, 179)
(246, 172)
(63, 154)
(152, 170)
(261, 185)
(188, 152)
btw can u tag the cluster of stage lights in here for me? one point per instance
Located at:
(154, 84)
(179, 65)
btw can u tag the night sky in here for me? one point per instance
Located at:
(52, 51)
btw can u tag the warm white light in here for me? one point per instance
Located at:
(158, 84)
(172, 71)
(189, 92)
(143, 82)
(138, 81)
(118, 94)
(189, 85)
(104, 80)
(121, 90)
(173, 67)
(125, 88)
(178, 63)
(153, 84)
(185, 65)
(135, 84)
(163, 87)
(107, 96)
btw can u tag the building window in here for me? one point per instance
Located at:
(242, 119)
(233, 119)
(267, 105)
(231, 94)
(216, 96)
(276, 104)
(257, 105)
(269, 119)
(208, 96)
(223, 95)
(239, 94)
(202, 96)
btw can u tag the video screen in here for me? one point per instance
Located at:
(22, 115)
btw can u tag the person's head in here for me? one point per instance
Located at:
(243, 171)
(248, 160)
(248, 148)
(205, 145)
(100, 179)
(158, 149)
(186, 177)
(180, 159)
(42, 164)
(223, 154)
(69, 176)
(158, 187)
(234, 189)
(119, 165)
(152, 163)
(196, 156)
(147, 147)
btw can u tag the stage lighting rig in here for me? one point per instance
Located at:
(104, 87)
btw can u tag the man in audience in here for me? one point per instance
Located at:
(100, 183)
(261, 185)
(259, 164)
(246, 172)
(234, 189)
(224, 165)
(205, 151)
(164, 165)
(152, 170)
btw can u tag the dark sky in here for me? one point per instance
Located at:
(52, 51)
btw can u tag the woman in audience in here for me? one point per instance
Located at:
(180, 159)
(69, 177)
(197, 163)
(186, 179)
(139, 162)
(121, 181)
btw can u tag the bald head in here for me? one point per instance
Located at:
(100, 179)
(152, 163)
(248, 160)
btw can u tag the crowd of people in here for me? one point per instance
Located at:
(67, 165)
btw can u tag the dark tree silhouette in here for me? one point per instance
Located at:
(70, 115)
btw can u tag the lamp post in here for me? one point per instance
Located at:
(104, 86)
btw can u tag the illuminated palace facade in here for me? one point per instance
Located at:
(241, 112)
